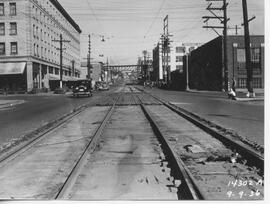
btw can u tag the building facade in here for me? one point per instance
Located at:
(29, 47)
(178, 51)
(175, 59)
(96, 72)
(206, 70)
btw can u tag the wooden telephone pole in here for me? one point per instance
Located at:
(61, 41)
(89, 57)
(247, 47)
(224, 20)
(166, 50)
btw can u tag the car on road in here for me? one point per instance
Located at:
(148, 84)
(104, 87)
(82, 88)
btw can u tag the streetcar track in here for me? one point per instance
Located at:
(189, 188)
(179, 171)
(23, 147)
(69, 182)
(253, 157)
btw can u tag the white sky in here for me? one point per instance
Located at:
(130, 26)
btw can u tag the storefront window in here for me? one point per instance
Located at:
(242, 83)
(257, 83)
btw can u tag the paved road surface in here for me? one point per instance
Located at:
(36, 111)
(246, 118)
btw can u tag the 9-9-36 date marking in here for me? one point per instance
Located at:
(238, 183)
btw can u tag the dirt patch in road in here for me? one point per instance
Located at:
(220, 172)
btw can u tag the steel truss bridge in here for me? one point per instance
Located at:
(125, 68)
(129, 69)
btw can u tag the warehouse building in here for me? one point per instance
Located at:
(206, 70)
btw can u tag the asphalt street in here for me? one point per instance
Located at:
(244, 117)
(36, 111)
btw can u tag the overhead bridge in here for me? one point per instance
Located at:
(125, 68)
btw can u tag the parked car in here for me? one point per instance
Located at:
(82, 88)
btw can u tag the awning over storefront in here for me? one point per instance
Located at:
(54, 77)
(12, 68)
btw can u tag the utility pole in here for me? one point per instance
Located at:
(89, 57)
(247, 47)
(236, 28)
(148, 66)
(224, 20)
(107, 70)
(61, 41)
(187, 74)
(145, 64)
(166, 47)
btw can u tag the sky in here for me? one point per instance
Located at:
(131, 26)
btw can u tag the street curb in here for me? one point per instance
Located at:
(249, 99)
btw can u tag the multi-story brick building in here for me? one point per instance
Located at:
(206, 70)
(29, 55)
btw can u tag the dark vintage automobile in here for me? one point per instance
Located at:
(82, 88)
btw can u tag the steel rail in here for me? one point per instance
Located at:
(71, 179)
(188, 188)
(253, 157)
(19, 149)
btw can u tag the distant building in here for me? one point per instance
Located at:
(175, 58)
(95, 72)
(157, 63)
(206, 71)
(178, 51)
(29, 57)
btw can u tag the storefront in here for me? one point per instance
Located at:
(13, 77)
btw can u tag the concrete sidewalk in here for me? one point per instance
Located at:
(240, 95)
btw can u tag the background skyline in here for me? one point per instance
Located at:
(129, 27)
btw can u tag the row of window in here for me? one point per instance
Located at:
(242, 83)
(180, 50)
(12, 28)
(254, 52)
(50, 19)
(178, 58)
(13, 48)
(12, 9)
(46, 54)
(56, 71)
